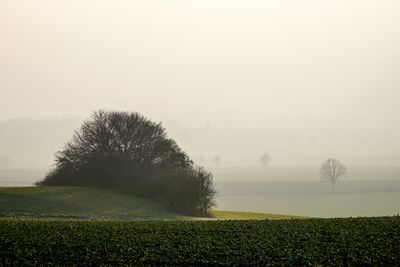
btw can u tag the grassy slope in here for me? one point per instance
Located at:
(77, 202)
(95, 203)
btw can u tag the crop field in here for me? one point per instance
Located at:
(327, 242)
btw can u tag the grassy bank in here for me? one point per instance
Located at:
(78, 203)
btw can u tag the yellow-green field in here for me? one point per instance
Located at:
(236, 215)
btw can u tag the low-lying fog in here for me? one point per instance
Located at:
(289, 184)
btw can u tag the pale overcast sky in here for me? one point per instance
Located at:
(227, 63)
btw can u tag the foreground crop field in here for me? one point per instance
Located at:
(353, 241)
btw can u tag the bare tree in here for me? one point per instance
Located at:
(331, 170)
(217, 160)
(4, 161)
(264, 159)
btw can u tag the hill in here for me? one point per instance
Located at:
(85, 203)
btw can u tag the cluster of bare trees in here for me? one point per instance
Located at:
(127, 152)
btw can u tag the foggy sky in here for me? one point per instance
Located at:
(224, 63)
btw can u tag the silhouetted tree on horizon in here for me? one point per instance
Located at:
(201, 159)
(129, 153)
(265, 159)
(217, 160)
(331, 170)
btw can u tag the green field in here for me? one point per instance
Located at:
(78, 203)
(84, 203)
(317, 242)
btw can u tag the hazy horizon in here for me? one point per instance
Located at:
(235, 64)
(301, 81)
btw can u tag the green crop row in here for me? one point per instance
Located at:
(327, 242)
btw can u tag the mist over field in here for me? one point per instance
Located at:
(229, 80)
(290, 184)
(32, 143)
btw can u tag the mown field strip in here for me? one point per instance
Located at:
(335, 242)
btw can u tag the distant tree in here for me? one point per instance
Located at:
(129, 153)
(4, 161)
(265, 159)
(198, 158)
(201, 159)
(331, 170)
(217, 160)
